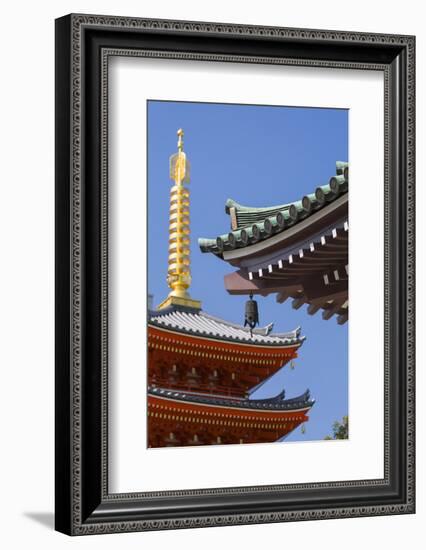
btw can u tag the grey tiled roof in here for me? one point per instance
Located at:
(277, 403)
(250, 225)
(199, 323)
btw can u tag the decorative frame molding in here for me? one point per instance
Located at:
(84, 43)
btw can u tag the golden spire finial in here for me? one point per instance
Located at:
(180, 139)
(179, 270)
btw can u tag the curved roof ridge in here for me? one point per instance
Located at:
(263, 331)
(249, 225)
(304, 396)
(277, 402)
(230, 203)
(203, 324)
(296, 332)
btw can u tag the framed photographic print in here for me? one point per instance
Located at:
(223, 193)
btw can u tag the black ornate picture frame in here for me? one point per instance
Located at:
(84, 44)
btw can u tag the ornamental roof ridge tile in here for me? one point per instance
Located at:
(250, 225)
(201, 323)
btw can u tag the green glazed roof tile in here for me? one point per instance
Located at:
(251, 224)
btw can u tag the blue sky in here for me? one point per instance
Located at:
(259, 156)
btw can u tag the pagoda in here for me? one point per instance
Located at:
(296, 250)
(202, 370)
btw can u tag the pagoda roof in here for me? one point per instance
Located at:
(198, 323)
(276, 403)
(250, 226)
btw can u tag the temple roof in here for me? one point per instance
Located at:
(277, 403)
(251, 225)
(198, 323)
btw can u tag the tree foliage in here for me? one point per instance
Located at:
(340, 429)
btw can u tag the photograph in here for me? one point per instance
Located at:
(248, 269)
